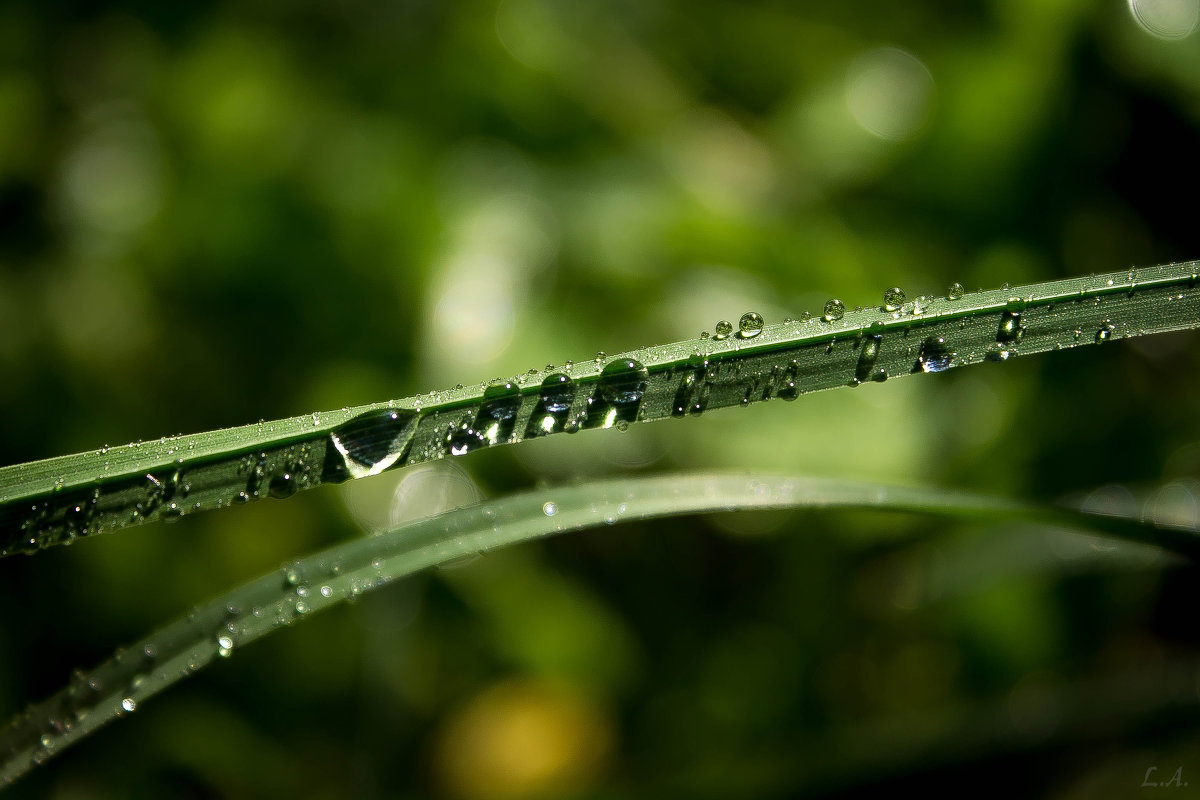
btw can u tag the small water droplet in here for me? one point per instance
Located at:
(893, 298)
(224, 646)
(623, 382)
(750, 325)
(549, 508)
(1105, 332)
(129, 704)
(326, 591)
(723, 329)
(834, 310)
(955, 291)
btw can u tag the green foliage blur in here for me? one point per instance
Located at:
(214, 213)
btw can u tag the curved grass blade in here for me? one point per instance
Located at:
(222, 626)
(60, 499)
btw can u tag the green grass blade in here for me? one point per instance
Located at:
(223, 626)
(57, 500)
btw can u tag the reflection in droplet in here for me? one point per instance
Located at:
(751, 325)
(558, 392)
(935, 356)
(371, 443)
(623, 382)
(834, 310)
(893, 298)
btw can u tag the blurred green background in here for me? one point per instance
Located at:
(216, 213)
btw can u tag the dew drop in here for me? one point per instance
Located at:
(864, 370)
(623, 382)
(374, 441)
(893, 298)
(834, 310)
(1105, 332)
(750, 325)
(501, 400)
(549, 508)
(558, 392)
(722, 329)
(1010, 329)
(224, 646)
(129, 704)
(955, 292)
(934, 356)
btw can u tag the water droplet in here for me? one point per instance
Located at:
(893, 298)
(623, 382)
(326, 591)
(864, 370)
(129, 704)
(374, 441)
(558, 392)
(750, 325)
(834, 310)
(934, 356)
(955, 292)
(1010, 329)
(501, 400)
(224, 646)
(723, 329)
(1105, 332)
(549, 508)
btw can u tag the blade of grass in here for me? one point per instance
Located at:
(60, 499)
(222, 626)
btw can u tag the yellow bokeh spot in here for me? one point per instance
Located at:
(521, 739)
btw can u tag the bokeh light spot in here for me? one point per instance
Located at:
(889, 93)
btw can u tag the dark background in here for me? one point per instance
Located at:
(216, 213)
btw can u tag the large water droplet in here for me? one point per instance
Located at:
(834, 310)
(955, 292)
(935, 356)
(864, 370)
(893, 298)
(723, 329)
(1010, 329)
(501, 400)
(1105, 332)
(751, 325)
(558, 392)
(623, 382)
(374, 441)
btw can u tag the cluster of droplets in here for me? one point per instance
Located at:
(750, 325)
